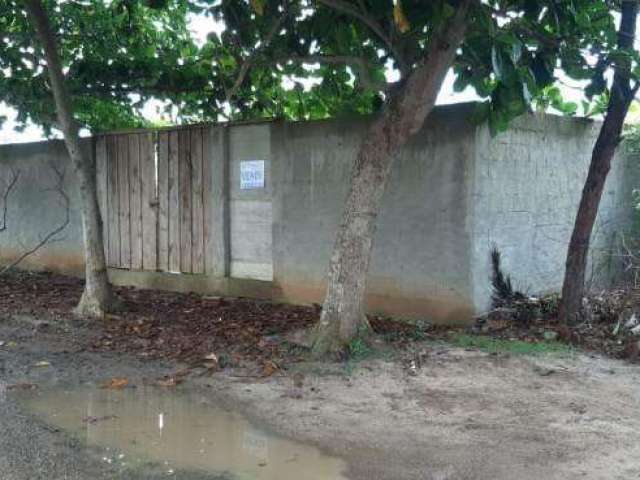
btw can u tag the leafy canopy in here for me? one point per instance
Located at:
(511, 55)
(110, 51)
(334, 53)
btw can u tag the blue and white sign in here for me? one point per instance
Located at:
(251, 174)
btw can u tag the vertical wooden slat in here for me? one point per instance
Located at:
(149, 202)
(135, 204)
(207, 198)
(101, 187)
(113, 203)
(220, 227)
(197, 207)
(163, 201)
(185, 201)
(173, 208)
(124, 212)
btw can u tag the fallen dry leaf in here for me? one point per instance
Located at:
(498, 324)
(22, 386)
(211, 366)
(116, 383)
(43, 363)
(269, 368)
(93, 420)
(182, 373)
(171, 381)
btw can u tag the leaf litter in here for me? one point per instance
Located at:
(212, 333)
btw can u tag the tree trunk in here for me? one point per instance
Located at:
(608, 139)
(98, 296)
(343, 313)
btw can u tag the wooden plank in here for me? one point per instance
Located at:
(113, 203)
(219, 231)
(163, 201)
(124, 212)
(197, 206)
(184, 137)
(174, 202)
(135, 197)
(101, 187)
(149, 202)
(207, 198)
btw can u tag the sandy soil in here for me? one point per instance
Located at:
(463, 415)
(466, 415)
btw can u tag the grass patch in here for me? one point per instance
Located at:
(359, 349)
(519, 347)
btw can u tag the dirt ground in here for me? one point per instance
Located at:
(461, 414)
(187, 327)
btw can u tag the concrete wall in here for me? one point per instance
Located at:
(525, 189)
(421, 249)
(34, 209)
(454, 193)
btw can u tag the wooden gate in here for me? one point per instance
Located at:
(154, 190)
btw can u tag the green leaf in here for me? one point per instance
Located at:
(481, 112)
(516, 52)
(497, 63)
(597, 86)
(542, 73)
(498, 122)
(526, 93)
(512, 45)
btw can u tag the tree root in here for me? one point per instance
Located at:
(328, 341)
(91, 306)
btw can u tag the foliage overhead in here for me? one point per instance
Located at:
(511, 56)
(110, 51)
(332, 56)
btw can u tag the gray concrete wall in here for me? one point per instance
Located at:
(454, 193)
(34, 209)
(421, 254)
(525, 189)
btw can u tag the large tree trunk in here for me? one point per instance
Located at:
(343, 312)
(98, 296)
(603, 152)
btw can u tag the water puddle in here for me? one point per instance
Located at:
(179, 432)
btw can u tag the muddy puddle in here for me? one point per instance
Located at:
(180, 432)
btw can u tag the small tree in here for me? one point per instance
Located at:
(98, 296)
(94, 57)
(622, 92)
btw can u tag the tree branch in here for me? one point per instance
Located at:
(51, 236)
(520, 28)
(248, 63)
(344, 7)
(15, 174)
